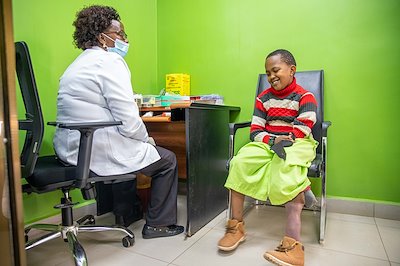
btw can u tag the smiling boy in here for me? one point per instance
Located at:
(283, 113)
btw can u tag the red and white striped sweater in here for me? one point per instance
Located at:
(292, 109)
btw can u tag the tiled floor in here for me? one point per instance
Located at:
(350, 240)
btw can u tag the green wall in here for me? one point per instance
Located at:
(222, 44)
(46, 26)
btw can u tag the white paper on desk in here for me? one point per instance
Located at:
(148, 114)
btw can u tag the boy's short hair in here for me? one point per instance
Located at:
(286, 56)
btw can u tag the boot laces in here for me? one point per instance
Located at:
(282, 248)
(231, 230)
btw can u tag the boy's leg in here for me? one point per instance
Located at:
(237, 200)
(293, 216)
(235, 233)
(290, 251)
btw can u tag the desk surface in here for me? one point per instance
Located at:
(173, 107)
(188, 105)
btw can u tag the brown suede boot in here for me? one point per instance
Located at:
(289, 253)
(234, 235)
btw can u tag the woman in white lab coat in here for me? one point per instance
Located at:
(96, 87)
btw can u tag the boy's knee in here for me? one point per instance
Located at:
(297, 202)
(300, 198)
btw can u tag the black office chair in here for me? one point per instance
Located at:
(46, 174)
(312, 81)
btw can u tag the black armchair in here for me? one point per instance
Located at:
(314, 82)
(47, 173)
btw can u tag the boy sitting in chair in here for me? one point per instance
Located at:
(275, 164)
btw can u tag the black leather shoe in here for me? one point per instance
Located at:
(161, 231)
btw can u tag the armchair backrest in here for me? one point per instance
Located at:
(33, 123)
(312, 81)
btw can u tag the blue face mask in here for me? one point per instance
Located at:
(120, 47)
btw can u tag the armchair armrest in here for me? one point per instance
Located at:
(85, 145)
(233, 127)
(325, 125)
(24, 124)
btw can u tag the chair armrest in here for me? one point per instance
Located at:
(88, 125)
(25, 124)
(85, 145)
(325, 125)
(233, 127)
(315, 168)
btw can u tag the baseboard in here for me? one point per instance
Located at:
(364, 208)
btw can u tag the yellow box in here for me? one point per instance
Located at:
(178, 83)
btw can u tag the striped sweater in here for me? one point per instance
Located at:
(292, 109)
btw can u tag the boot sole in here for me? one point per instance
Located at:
(234, 246)
(276, 261)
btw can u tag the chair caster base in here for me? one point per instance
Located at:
(128, 241)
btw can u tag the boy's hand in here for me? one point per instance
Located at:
(280, 143)
(290, 138)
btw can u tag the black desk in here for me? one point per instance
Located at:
(199, 136)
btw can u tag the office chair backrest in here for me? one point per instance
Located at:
(33, 123)
(312, 81)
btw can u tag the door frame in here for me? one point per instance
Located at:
(12, 239)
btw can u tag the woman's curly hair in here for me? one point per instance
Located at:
(90, 22)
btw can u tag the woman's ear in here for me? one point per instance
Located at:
(102, 41)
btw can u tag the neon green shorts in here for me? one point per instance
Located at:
(256, 171)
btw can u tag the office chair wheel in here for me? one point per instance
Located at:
(128, 241)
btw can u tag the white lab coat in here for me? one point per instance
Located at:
(97, 87)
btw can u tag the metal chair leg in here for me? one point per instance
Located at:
(323, 191)
(100, 228)
(76, 248)
(35, 242)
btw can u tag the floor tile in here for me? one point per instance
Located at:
(388, 223)
(105, 255)
(205, 252)
(168, 248)
(391, 241)
(350, 218)
(354, 238)
(50, 253)
(316, 256)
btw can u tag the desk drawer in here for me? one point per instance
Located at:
(172, 136)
